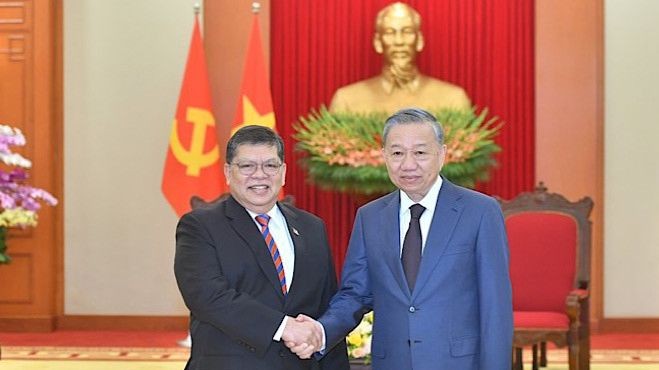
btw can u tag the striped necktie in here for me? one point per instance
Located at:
(263, 220)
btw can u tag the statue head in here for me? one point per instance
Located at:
(398, 35)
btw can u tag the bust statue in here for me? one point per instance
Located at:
(398, 39)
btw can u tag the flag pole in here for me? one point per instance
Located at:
(197, 8)
(256, 7)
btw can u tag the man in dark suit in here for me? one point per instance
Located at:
(247, 265)
(430, 260)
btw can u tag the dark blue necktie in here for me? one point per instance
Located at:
(411, 257)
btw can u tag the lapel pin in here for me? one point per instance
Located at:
(296, 232)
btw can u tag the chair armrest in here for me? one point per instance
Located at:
(579, 294)
(575, 301)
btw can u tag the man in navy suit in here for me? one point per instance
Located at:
(247, 265)
(430, 260)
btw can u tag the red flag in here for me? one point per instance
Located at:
(254, 100)
(192, 166)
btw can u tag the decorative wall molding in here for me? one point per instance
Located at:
(629, 325)
(93, 322)
(14, 13)
(20, 272)
(121, 322)
(27, 324)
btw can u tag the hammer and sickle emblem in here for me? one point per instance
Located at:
(194, 158)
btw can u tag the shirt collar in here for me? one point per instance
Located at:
(274, 213)
(429, 201)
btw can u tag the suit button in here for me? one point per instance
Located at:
(412, 309)
(252, 349)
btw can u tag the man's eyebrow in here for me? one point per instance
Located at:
(414, 146)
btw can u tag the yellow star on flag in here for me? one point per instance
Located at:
(252, 117)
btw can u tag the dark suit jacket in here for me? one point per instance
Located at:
(459, 315)
(228, 281)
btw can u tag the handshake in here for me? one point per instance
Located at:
(303, 336)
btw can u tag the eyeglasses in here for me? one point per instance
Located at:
(247, 168)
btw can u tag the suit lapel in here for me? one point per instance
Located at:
(301, 249)
(390, 227)
(242, 223)
(447, 213)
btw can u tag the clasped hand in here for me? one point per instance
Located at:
(303, 336)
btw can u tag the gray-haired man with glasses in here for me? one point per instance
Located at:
(430, 260)
(248, 265)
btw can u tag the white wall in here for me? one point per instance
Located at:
(123, 66)
(631, 191)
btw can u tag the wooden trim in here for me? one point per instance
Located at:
(93, 322)
(27, 324)
(636, 325)
(98, 322)
(58, 160)
(102, 322)
(33, 108)
(597, 254)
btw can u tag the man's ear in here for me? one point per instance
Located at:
(442, 155)
(420, 42)
(377, 43)
(227, 172)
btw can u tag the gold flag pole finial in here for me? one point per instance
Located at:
(197, 8)
(256, 7)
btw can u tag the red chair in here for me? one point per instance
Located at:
(549, 239)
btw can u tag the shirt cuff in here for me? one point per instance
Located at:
(280, 330)
(322, 329)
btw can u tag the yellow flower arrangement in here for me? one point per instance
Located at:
(359, 340)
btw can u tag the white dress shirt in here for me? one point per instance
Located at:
(279, 231)
(429, 202)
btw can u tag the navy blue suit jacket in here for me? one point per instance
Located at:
(459, 315)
